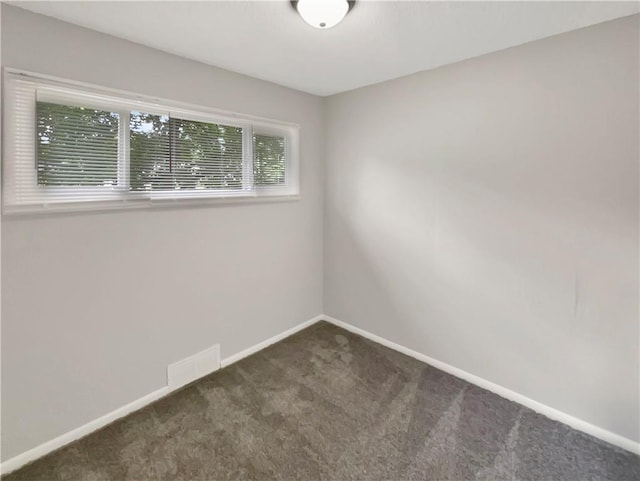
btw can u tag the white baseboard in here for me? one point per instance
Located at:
(578, 424)
(75, 434)
(39, 451)
(272, 340)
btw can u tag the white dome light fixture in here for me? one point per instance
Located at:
(322, 13)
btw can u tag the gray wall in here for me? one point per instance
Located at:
(486, 214)
(96, 305)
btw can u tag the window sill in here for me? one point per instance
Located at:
(116, 205)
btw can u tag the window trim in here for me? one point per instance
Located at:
(56, 89)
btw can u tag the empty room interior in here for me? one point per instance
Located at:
(320, 240)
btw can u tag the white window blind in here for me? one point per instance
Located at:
(76, 148)
(174, 154)
(69, 146)
(269, 160)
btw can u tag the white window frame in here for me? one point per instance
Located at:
(19, 149)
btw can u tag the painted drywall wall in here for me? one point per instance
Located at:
(96, 305)
(486, 214)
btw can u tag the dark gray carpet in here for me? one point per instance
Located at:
(327, 404)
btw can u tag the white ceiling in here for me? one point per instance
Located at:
(376, 41)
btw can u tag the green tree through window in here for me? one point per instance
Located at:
(173, 153)
(149, 154)
(268, 160)
(76, 146)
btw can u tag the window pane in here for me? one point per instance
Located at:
(76, 146)
(178, 154)
(206, 155)
(150, 168)
(268, 160)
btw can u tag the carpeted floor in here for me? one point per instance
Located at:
(327, 404)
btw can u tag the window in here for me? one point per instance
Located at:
(268, 159)
(76, 147)
(70, 146)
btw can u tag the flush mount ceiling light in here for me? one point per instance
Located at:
(322, 13)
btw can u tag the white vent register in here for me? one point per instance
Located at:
(194, 367)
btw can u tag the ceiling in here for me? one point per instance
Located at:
(376, 41)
